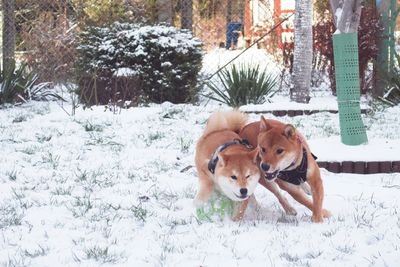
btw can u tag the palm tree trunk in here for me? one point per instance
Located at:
(8, 33)
(164, 11)
(303, 52)
(187, 14)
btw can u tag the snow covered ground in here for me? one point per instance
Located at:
(114, 190)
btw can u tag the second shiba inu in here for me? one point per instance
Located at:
(225, 163)
(286, 159)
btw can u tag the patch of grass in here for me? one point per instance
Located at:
(185, 144)
(41, 138)
(98, 140)
(102, 255)
(12, 175)
(330, 233)
(289, 257)
(314, 254)
(10, 215)
(139, 212)
(40, 251)
(91, 127)
(52, 160)
(82, 205)
(346, 249)
(29, 150)
(153, 137)
(17, 261)
(171, 111)
(20, 118)
(90, 180)
(62, 191)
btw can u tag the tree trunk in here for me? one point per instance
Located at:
(346, 14)
(8, 33)
(303, 52)
(187, 14)
(164, 11)
(382, 62)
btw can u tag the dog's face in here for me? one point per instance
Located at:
(278, 148)
(237, 174)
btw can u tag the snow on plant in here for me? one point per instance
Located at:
(166, 60)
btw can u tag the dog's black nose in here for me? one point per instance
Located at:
(264, 166)
(243, 191)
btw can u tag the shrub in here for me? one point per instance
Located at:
(243, 85)
(165, 61)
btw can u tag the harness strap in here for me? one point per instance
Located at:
(297, 175)
(212, 163)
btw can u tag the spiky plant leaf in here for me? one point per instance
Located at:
(241, 85)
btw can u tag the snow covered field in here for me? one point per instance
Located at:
(104, 189)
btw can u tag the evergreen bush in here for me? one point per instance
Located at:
(163, 60)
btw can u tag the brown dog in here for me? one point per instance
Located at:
(285, 158)
(224, 163)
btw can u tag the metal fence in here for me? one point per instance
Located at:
(43, 33)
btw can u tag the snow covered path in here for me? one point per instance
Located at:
(105, 189)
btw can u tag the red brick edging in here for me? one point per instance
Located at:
(361, 167)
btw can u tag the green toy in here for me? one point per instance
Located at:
(217, 208)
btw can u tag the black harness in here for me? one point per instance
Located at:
(298, 175)
(214, 159)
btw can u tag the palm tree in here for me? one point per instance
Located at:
(8, 32)
(164, 11)
(303, 52)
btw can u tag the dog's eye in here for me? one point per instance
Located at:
(248, 176)
(279, 151)
(234, 177)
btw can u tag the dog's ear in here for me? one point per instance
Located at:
(289, 131)
(264, 124)
(223, 159)
(253, 155)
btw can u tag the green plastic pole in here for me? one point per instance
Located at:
(345, 51)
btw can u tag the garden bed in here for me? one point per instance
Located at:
(378, 156)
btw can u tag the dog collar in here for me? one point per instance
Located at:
(299, 174)
(214, 159)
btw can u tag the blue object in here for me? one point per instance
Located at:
(231, 33)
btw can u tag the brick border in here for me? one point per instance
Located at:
(361, 167)
(298, 112)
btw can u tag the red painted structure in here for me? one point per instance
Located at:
(252, 31)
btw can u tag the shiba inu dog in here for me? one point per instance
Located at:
(225, 163)
(286, 159)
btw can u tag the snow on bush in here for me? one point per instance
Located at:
(166, 60)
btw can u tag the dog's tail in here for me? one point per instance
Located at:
(226, 120)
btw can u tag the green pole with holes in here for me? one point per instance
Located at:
(345, 51)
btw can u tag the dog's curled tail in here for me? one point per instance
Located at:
(226, 120)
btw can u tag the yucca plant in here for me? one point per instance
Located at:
(17, 83)
(242, 85)
(11, 83)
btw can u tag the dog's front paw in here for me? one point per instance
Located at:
(198, 203)
(326, 213)
(289, 210)
(317, 219)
